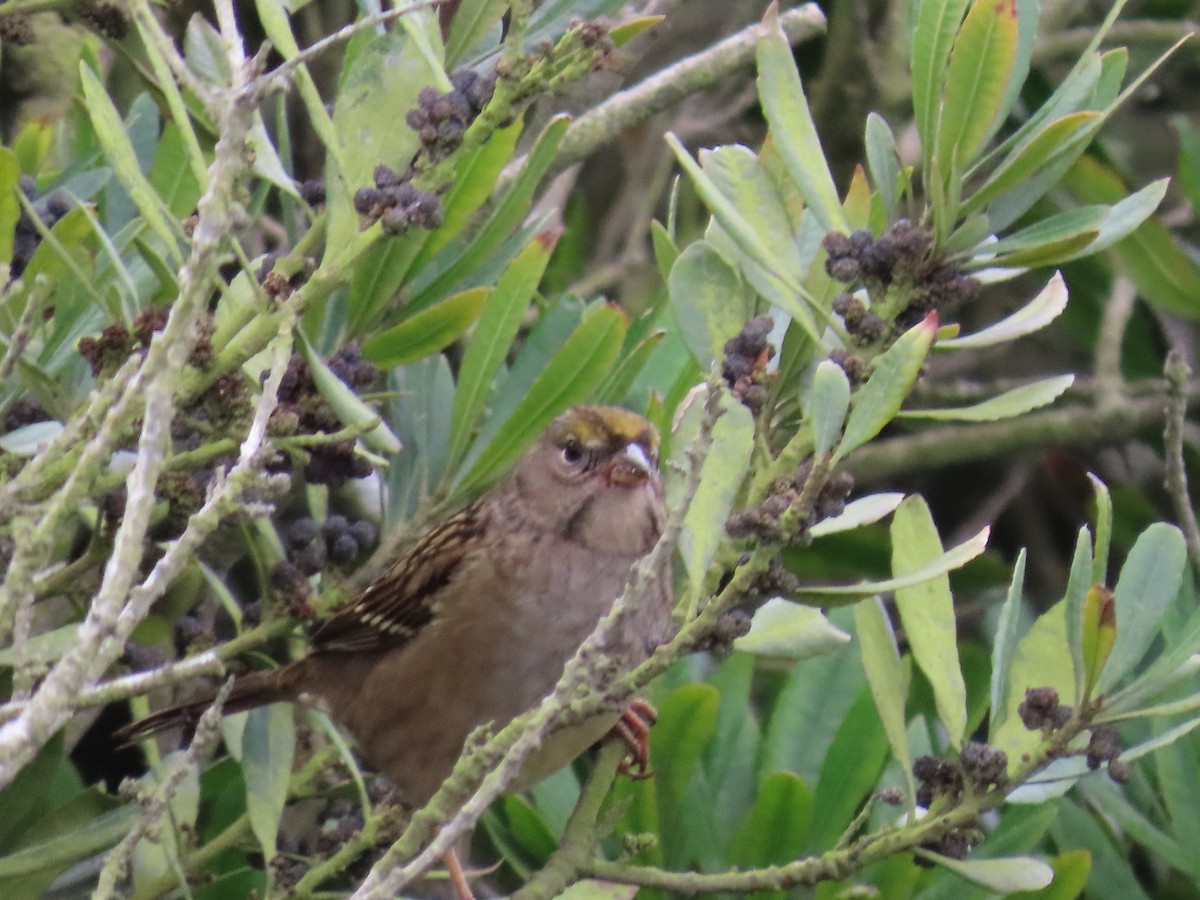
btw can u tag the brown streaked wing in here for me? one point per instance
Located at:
(400, 602)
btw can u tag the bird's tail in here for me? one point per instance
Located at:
(249, 691)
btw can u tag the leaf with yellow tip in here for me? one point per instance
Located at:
(1099, 633)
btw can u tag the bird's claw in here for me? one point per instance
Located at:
(634, 729)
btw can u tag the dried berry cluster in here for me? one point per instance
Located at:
(900, 256)
(1041, 711)
(863, 326)
(26, 239)
(106, 352)
(16, 30)
(302, 410)
(441, 120)
(397, 204)
(981, 767)
(310, 545)
(745, 365)
(762, 521)
(107, 19)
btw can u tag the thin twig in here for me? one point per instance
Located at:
(1178, 373)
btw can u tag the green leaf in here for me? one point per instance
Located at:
(1008, 405)
(883, 160)
(981, 64)
(746, 238)
(709, 300)
(1104, 523)
(578, 366)
(119, 154)
(932, 39)
(786, 110)
(433, 283)
(775, 828)
(1005, 643)
(782, 629)
(895, 372)
(1033, 316)
(1126, 216)
(386, 73)
(626, 31)
(472, 21)
(828, 402)
(347, 405)
(428, 331)
(1078, 582)
(887, 677)
(952, 559)
(860, 512)
(720, 479)
(473, 183)
(1188, 177)
(1071, 870)
(850, 771)
(594, 889)
(1042, 659)
(1098, 634)
(1149, 581)
(10, 208)
(687, 719)
(268, 746)
(927, 611)
(62, 849)
(665, 251)
(1029, 158)
(490, 343)
(1004, 876)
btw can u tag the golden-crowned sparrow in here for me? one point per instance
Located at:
(477, 621)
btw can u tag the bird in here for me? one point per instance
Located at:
(476, 622)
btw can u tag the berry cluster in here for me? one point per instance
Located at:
(731, 625)
(762, 521)
(863, 326)
(107, 351)
(1041, 711)
(980, 765)
(302, 410)
(108, 19)
(49, 209)
(338, 540)
(397, 204)
(441, 120)
(745, 365)
(16, 30)
(312, 191)
(901, 256)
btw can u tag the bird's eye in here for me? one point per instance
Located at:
(572, 452)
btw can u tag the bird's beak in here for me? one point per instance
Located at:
(630, 467)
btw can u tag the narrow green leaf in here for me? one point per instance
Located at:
(433, 284)
(1008, 405)
(665, 251)
(886, 675)
(1025, 160)
(878, 401)
(575, 369)
(860, 512)
(927, 611)
(10, 208)
(1039, 312)
(616, 387)
(786, 110)
(473, 19)
(1078, 582)
(1098, 634)
(473, 184)
(932, 39)
(428, 331)
(1148, 583)
(981, 64)
(828, 402)
(883, 159)
(1004, 876)
(1125, 216)
(626, 31)
(1104, 522)
(490, 343)
(775, 828)
(63, 849)
(1058, 227)
(1005, 644)
(1188, 177)
(350, 409)
(952, 559)
(594, 889)
(782, 629)
(268, 746)
(119, 153)
(687, 719)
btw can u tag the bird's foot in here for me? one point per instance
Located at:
(634, 729)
